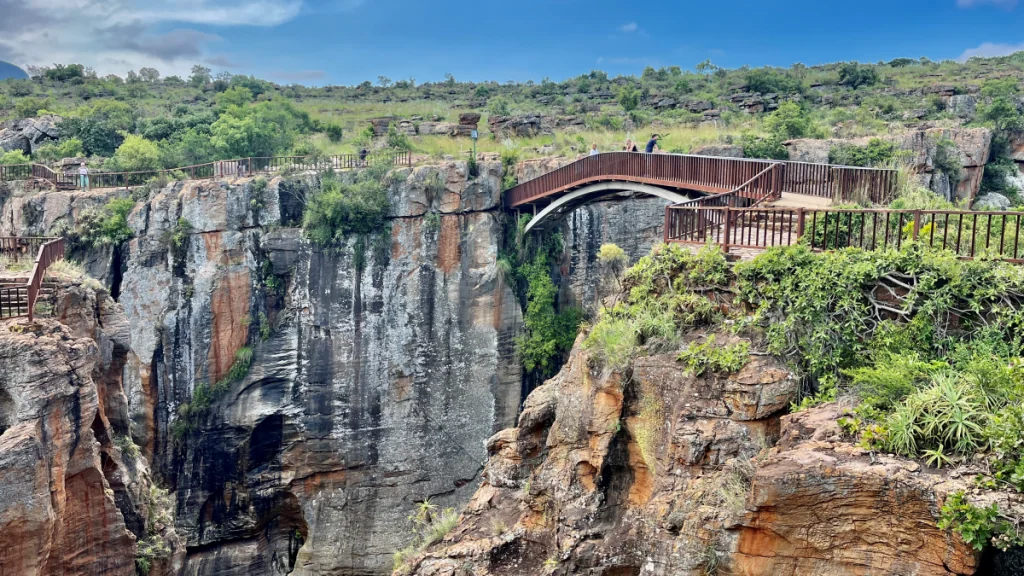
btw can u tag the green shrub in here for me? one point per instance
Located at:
(702, 357)
(612, 254)
(979, 527)
(613, 342)
(342, 209)
(876, 152)
(629, 98)
(398, 140)
(14, 157)
(855, 75)
(334, 132)
(765, 147)
(107, 226)
(548, 334)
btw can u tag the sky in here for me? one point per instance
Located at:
(321, 42)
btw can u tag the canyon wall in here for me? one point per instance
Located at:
(376, 369)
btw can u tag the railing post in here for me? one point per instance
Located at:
(725, 230)
(917, 223)
(800, 223)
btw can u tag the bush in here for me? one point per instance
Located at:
(855, 75)
(548, 334)
(105, 227)
(136, 154)
(14, 157)
(499, 106)
(30, 107)
(700, 358)
(334, 132)
(876, 152)
(612, 254)
(341, 209)
(766, 147)
(65, 148)
(398, 140)
(629, 98)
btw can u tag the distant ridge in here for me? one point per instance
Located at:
(8, 70)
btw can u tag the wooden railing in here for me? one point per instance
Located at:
(710, 174)
(209, 170)
(967, 234)
(20, 299)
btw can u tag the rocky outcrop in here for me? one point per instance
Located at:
(377, 368)
(75, 498)
(927, 152)
(666, 473)
(721, 150)
(28, 134)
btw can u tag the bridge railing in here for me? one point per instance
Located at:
(704, 173)
(844, 183)
(20, 299)
(967, 234)
(209, 170)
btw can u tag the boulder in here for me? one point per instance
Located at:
(963, 105)
(28, 134)
(806, 150)
(436, 129)
(469, 119)
(380, 125)
(721, 150)
(992, 201)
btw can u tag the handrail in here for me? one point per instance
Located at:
(208, 170)
(967, 234)
(11, 297)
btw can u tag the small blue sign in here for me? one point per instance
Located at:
(474, 135)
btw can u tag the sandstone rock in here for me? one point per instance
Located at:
(806, 150)
(381, 125)
(28, 134)
(437, 128)
(964, 106)
(992, 201)
(722, 150)
(469, 119)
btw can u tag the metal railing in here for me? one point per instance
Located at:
(710, 174)
(967, 234)
(20, 299)
(219, 169)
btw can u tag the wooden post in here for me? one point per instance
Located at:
(800, 223)
(668, 209)
(725, 230)
(917, 223)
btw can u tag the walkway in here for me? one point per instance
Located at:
(738, 182)
(238, 167)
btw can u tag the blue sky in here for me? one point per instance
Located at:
(347, 41)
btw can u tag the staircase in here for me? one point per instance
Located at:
(14, 297)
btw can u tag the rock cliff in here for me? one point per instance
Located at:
(374, 371)
(665, 473)
(75, 495)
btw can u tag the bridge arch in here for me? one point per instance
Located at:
(596, 191)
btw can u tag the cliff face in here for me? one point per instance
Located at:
(74, 497)
(672, 474)
(377, 369)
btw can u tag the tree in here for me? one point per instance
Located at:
(855, 75)
(449, 79)
(132, 77)
(150, 75)
(706, 68)
(788, 122)
(384, 81)
(13, 157)
(234, 96)
(136, 154)
(100, 126)
(629, 98)
(262, 129)
(200, 76)
(64, 73)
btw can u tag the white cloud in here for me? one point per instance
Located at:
(629, 27)
(991, 49)
(1008, 4)
(114, 36)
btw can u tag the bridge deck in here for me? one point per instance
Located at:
(709, 175)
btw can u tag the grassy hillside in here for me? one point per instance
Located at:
(182, 121)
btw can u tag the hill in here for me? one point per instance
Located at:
(185, 121)
(8, 70)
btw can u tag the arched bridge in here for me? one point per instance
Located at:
(681, 179)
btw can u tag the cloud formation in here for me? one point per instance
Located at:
(990, 49)
(113, 36)
(1007, 4)
(629, 27)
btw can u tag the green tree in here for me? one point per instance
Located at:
(855, 75)
(200, 76)
(136, 154)
(629, 98)
(788, 122)
(13, 157)
(100, 126)
(261, 129)
(234, 96)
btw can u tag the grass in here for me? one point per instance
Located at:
(71, 271)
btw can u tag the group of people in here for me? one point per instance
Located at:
(651, 148)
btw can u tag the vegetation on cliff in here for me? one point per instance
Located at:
(926, 346)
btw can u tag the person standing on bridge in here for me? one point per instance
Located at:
(630, 146)
(593, 150)
(652, 144)
(83, 176)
